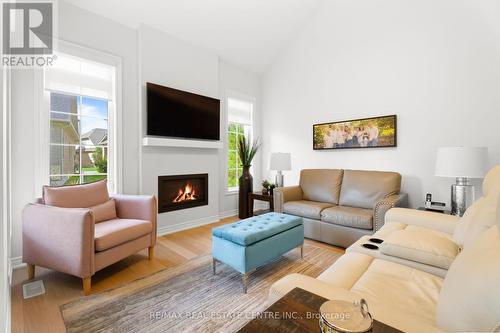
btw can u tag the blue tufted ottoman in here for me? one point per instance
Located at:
(252, 242)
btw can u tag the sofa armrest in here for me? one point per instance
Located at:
(140, 207)
(285, 194)
(435, 221)
(383, 205)
(59, 238)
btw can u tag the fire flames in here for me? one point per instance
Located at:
(186, 194)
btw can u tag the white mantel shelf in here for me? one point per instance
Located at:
(167, 142)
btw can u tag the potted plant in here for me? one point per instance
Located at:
(246, 152)
(265, 187)
(271, 188)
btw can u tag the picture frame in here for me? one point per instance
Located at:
(372, 132)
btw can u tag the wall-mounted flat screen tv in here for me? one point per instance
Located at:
(180, 114)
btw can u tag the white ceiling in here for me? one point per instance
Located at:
(248, 33)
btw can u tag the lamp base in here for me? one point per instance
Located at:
(279, 179)
(462, 196)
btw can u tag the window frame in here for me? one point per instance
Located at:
(42, 119)
(247, 98)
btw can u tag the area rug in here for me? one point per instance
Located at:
(189, 298)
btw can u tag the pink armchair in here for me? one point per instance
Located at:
(59, 235)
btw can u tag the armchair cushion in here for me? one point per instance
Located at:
(105, 211)
(76, 196)
(304, 208)
(114, 232)
(349, 216)
(421, 245)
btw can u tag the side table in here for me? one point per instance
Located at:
(262, 197)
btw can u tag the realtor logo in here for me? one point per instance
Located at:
(27, 28)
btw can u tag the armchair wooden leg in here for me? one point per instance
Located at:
(31, 271)
(151, 252)
(87, 283)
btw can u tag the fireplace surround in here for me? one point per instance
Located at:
(182, 191)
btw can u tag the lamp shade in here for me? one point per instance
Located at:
(280, 161)
(466, 162)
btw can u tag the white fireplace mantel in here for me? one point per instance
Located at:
(168, 142)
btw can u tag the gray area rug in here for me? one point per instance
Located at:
(188, 298)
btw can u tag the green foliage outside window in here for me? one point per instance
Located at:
(234, 168)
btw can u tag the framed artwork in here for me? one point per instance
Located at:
(377, 132)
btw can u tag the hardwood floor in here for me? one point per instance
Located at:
(41, 314)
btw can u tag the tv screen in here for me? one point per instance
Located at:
(180, 114)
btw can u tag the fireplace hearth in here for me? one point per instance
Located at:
(182, 191)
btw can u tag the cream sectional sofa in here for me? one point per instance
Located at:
(423, 294)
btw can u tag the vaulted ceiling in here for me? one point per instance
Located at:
(248, 33)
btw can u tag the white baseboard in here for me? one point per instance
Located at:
(13, 264)
(194, 223)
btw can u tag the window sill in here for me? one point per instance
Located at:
(232, 192)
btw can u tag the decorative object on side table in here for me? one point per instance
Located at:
(343, 316)
(246, 152)
(265, 187)
(461, 163)
(280, 162)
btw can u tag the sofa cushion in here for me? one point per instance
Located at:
(257, 228)
(349, 216)
(105, 211)
(114, 232)
(321, 185)
(304, 208)
(364, 188)
(477, 219)
(76, 196)
(421, 245)
(391, 288)
(470, 297)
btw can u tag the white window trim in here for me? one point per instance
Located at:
(42, 125)
(242, 96)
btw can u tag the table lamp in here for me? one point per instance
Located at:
(280, 162)
(461, 163)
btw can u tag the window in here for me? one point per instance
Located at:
(81, 98)
(239, 124)
(78, 139)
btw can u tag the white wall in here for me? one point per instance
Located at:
(4, 206)
(147, 55)
(433, 63)
(235, 80)
(173, 63)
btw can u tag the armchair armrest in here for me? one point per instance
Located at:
(284, 194)
(383, 205)
(140, 207)
(59, 238)
(436, 221)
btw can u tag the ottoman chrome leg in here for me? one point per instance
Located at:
(244, 280)
(214, 264)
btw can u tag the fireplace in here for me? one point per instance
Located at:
(182, 191)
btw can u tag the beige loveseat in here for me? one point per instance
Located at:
(340, 206)
(416, 295)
